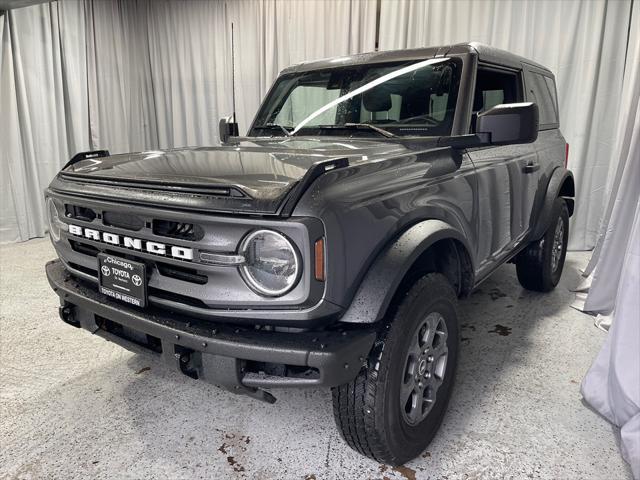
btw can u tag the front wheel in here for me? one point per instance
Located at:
(539, 266)
(392, 410)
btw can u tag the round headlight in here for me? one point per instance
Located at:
(272, 264)
(55, 224)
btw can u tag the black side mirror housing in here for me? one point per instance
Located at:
(509, 123)
(227, 128)
(505, 124)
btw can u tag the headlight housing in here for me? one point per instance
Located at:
(55, 224)
(272, 265)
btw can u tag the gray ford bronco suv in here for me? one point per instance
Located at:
(329, 246)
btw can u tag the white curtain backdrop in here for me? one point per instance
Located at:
(583, 42)
(43, 103)
(285, 32)
(145, 74)
(612, 385)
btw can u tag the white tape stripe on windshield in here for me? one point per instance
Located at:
(368, 86)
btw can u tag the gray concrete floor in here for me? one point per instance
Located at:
(76, 406)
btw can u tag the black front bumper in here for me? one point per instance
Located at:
(226, 355)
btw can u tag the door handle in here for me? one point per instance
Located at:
(531, 167)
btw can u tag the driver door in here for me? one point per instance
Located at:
(507, 176)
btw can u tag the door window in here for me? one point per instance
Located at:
(493, 88)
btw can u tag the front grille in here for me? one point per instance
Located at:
(175, 297)
(169, 243)
(122, 220)
(181, 230)
(190, 275)
(82, 269)
(180, 273)
(79, 213)
(84, 248)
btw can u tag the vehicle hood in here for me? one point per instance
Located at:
(253, 176)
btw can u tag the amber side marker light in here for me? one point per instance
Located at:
(319, 260)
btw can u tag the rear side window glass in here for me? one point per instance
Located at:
(542, 90)
(551, 87)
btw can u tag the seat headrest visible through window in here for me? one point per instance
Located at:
(377, 100)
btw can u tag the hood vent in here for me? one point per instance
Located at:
(158, 185)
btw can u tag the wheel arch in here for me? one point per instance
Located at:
(426, 247)
(568, 191)
(561, 184)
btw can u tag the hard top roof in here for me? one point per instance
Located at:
(486, 53)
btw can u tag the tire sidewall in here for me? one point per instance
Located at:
(560, 214)
(410, 440)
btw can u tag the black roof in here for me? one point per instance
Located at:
(486, 53)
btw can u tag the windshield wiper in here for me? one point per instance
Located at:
(358, 126)
(381, 131)
(274, 126)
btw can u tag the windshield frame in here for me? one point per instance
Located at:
(404, 66)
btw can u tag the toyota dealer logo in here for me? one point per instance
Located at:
(106, 271)
(137, 281)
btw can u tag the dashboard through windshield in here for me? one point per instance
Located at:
(415, 98)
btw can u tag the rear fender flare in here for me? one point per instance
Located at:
(558, 178)
(377, 289)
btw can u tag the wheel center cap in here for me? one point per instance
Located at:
(422, 366)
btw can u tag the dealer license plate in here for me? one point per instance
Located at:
(122, 279)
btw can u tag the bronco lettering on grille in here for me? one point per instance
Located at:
(182, 253)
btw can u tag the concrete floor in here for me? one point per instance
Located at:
(76, 406)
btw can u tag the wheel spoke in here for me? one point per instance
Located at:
(408, 381)
(428, 398)
(410, 367)
(414, 408)
(440, 366)
(431, 332)
(406, 390)
(432, 321)
(422, 337)
(441, 348)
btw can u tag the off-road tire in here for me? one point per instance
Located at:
(368, 410)
(534, 265)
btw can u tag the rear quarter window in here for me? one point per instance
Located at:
(541, 89)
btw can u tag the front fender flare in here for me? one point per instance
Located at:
(383, 278)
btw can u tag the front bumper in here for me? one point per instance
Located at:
(233, 357)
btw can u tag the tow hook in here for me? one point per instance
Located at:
(67, 314)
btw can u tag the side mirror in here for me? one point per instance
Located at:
(227, 128)
(509, 123)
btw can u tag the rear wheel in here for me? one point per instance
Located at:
(393, 408)
(540, 265)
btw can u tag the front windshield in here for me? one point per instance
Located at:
(408, 98)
